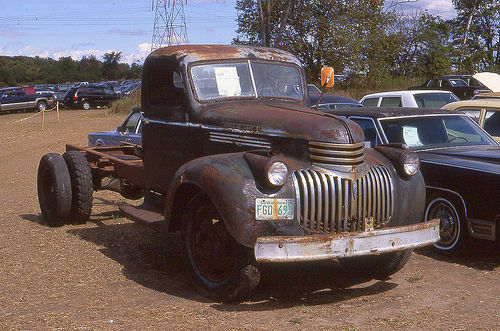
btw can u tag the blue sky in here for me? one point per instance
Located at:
(59, 28)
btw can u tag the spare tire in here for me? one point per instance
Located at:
(54, 189)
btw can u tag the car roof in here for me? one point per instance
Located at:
(473, 103)
(404, 92)
(328, 98)
(383, 112)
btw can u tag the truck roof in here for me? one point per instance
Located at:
(193, 53)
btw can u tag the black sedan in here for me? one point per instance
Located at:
(460, 163)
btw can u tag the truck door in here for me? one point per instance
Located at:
(10, 100)
(166, 132)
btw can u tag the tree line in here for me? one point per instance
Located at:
(24, 70)
(372, 41)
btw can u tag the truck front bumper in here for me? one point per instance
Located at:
(323, 247)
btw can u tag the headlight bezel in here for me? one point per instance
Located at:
(276, 173)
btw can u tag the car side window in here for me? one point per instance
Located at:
(492, 123)
(369, 130)
(370, 102)
(391, 102)
(132, 123)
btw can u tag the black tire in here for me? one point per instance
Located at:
(86, 105)
(219, 267)
(452, 229)
(54, 189)
(377, 266)
(41, 106)
(82, 186)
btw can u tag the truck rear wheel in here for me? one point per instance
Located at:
(377, 266)
(81, 184)
(219, 267)
(54, 189)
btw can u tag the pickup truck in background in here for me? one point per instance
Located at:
(24, 98)
(458, 86)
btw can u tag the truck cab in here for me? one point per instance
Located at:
(234, 158)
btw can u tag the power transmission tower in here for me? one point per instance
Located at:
(170, 24)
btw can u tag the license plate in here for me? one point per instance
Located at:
(274, 209)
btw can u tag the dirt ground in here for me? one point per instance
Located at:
(111, 274)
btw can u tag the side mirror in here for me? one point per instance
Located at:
(327, 77)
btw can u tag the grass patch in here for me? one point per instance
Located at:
(125, 105)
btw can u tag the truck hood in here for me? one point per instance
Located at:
(485, 158)
(283, 119)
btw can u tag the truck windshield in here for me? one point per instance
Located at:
(246, 80)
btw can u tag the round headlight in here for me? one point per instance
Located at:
(411, 164)
(277, 173)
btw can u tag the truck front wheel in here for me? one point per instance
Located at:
(54, 189)
(377, 266)
(219, 267)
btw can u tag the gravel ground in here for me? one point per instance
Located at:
(111, 274)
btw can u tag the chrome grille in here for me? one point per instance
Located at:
(323, 153)
(331, 204)
(240, 139)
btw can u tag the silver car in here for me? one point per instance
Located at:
(129, 132)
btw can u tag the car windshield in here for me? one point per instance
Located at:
(426, 132)
(434, 100)
(246, 80)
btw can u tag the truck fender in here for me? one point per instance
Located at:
(228, 180)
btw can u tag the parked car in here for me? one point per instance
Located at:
(328, 100)
(458, 86)
(469, 79)
(459, 162)
(410, 98)
(486, 112)
(129, 132)
(24, 98)
(87, 97)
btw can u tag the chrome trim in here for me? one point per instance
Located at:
(326, 154)
(481, 229)
(331, 246)
(240, 139)
(459, 166)
(331, 204)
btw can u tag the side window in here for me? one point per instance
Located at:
(165, 87)
(370, 102)
(391, 102)
(369, 130)
(434, 83)
(132, 122)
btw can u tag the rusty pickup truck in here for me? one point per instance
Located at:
(234, 159)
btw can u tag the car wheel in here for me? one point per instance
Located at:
(377, 266)
(451, 229)
(41, 106)
(54, 189)
(82, 186)
(219, 267)
(86, 105)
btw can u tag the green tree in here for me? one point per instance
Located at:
(476, 35)
(110, 64)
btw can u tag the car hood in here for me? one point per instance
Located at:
(489, 79)
(476, 157)
(283, 119)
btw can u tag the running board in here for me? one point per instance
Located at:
(147, 217)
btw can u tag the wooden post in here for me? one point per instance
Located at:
(57, 110)
(43, 117)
